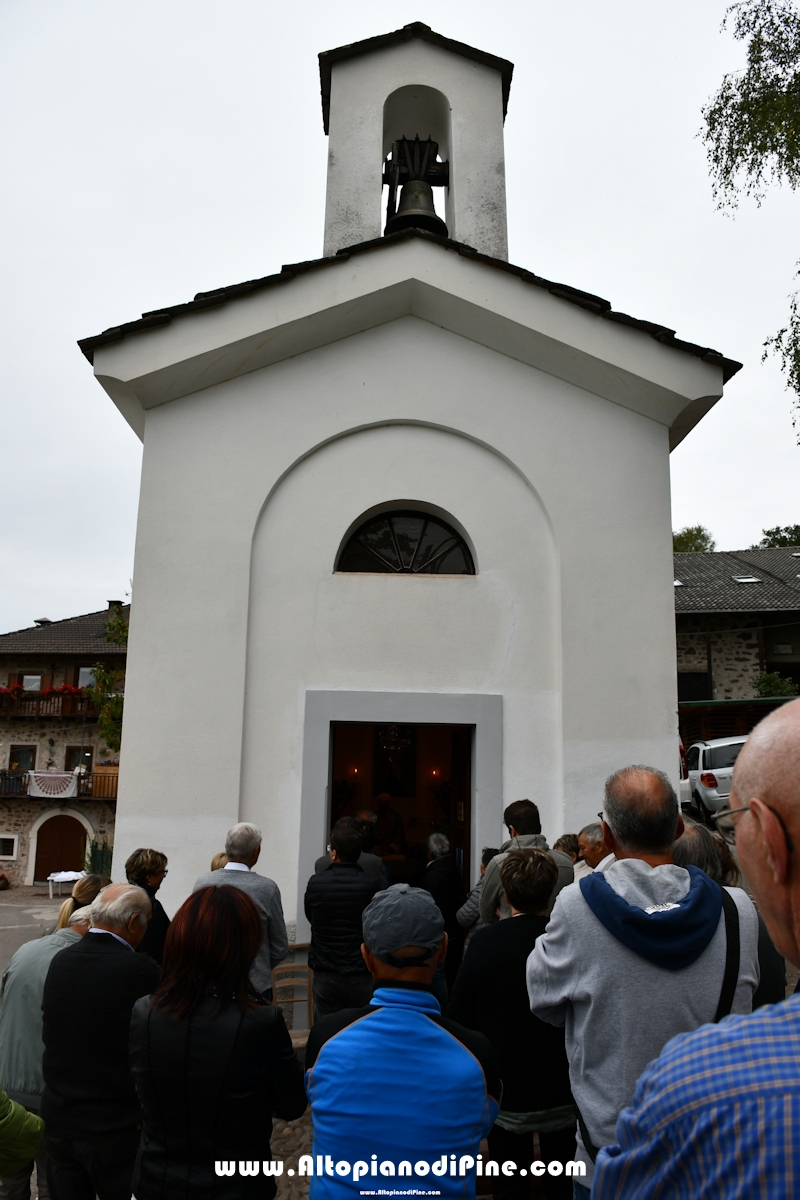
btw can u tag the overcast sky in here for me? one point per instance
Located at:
(156, 148)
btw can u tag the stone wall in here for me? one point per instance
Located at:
(51, 736)
(742, 645)
(18, 814)
(736, 645)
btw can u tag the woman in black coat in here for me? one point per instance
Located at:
(148, 869)
(491, 995)
(212, 1061)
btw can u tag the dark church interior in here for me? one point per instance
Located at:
(415, 779)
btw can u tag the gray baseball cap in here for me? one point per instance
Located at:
(402, 916)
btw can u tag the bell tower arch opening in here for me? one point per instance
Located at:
(416, 150)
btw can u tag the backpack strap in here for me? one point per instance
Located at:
(588, 1144)
(729, 981)
(732, 955)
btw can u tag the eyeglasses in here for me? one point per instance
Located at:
(727, 812)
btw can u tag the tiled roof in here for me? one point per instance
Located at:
(415, 30)
(74, 635)
(708, 581)
(585, 300)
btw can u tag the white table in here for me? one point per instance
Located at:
(60, 877)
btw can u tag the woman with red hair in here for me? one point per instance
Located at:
(212, 1061)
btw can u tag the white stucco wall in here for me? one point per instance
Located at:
(358, 140)
(248, 487)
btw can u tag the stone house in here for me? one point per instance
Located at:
(49, 726)
(736, 615)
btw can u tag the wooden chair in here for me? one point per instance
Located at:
(295, 976)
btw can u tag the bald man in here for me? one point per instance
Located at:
(635, 954)
(718, 1113)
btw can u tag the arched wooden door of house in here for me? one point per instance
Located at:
(60, 846)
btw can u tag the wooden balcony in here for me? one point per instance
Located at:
(100, 784)
(46, 704)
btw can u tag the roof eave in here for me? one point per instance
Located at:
(586, 300)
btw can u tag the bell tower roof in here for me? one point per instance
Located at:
(415, 30)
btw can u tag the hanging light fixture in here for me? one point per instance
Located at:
(393, 739)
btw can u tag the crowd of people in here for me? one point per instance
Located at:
(608, 1014)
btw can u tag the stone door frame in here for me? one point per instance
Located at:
(33, 833)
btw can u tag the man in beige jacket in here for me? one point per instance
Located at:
(525, 829)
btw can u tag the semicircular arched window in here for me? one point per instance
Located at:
(406, 542)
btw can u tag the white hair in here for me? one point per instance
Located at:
(116, 910)
(593, 833)
(81, 916)
(242, 840)
(438, 845)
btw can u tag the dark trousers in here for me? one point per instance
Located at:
(519, 1148)
(82, 1167)
(334, 992)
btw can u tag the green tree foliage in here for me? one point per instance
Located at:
(752, 130)
(105, 690)
(770, 683)
(692, 538)
(110, 702)
(116, 627)
(752, 133)
(780, 535)
(98, 859)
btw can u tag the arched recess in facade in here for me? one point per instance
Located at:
(310, 627)
(33, 836)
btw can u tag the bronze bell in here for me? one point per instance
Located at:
(415, 210)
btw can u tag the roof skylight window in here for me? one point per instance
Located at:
(678, 583)
(747, 579)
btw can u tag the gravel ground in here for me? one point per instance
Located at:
(290, 1139)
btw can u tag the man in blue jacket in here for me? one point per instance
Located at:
(400, 1095)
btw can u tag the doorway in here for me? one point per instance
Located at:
(416, 779)
(60, 846)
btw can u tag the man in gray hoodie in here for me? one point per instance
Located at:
(525, 830)
(637, 954)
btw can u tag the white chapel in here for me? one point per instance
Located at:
(404, 536)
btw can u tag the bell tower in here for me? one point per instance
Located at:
(407, 114)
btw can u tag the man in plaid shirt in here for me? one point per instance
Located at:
(717, 1114)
